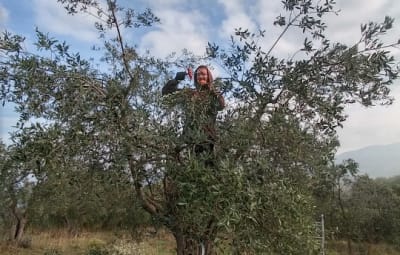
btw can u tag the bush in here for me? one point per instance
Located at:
(52, 251)
(126, 248)
(97, 249)
(25, 243)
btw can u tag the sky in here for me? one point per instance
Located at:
(190, 24)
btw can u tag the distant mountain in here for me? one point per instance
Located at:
(377, 160)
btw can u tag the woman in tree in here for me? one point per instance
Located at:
(201, 106)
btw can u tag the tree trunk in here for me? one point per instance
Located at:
(72, 227)
(20, 220)
(349, 247)
(186, 245)
(18, 227)
(369, 248)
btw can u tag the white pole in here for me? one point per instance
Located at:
(323, 235)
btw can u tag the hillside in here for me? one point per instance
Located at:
(377, 160)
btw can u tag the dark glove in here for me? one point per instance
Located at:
(170, 87)
(180, 76)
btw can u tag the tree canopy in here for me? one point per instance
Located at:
(275, 140)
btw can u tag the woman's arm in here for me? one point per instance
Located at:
(170, 87)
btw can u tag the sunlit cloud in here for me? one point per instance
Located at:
(236, 16)
(51, 17)
(178, 30)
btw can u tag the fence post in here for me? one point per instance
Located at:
(322, 235)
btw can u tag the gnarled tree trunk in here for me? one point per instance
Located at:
(185, 245)
(19, 223)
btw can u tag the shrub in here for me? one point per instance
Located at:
(52, 251)
(126, 248)
(25, 243)
(97, 249)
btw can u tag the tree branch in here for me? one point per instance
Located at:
(121, 43)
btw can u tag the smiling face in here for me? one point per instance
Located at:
(202, 78)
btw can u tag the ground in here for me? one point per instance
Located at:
(97, 243)
(59, 242)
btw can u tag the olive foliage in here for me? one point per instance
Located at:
(276, 138)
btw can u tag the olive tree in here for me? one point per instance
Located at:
(275, 138)
(16, 191)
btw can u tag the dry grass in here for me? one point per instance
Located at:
(340, 247)
(159, 244)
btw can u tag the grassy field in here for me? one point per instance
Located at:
(162, 243)
(89, 243)
(340, 248)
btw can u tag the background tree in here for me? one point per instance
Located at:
(4, 213)
(391, 186)
(375, 209)
(392, 183)
(276, 138)
(16, 190)
(357, 208)
(332, 195)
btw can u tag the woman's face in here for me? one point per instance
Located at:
(202, 76)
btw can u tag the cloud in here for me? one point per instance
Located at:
(237, 20)
(236, 16)
(3, 17)
(3, 14)
(259, 15)
(51, 17)
(379, 124)
(267, 11)
(371, 126)
(345, 27)
(162, 4)
(178, 30)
